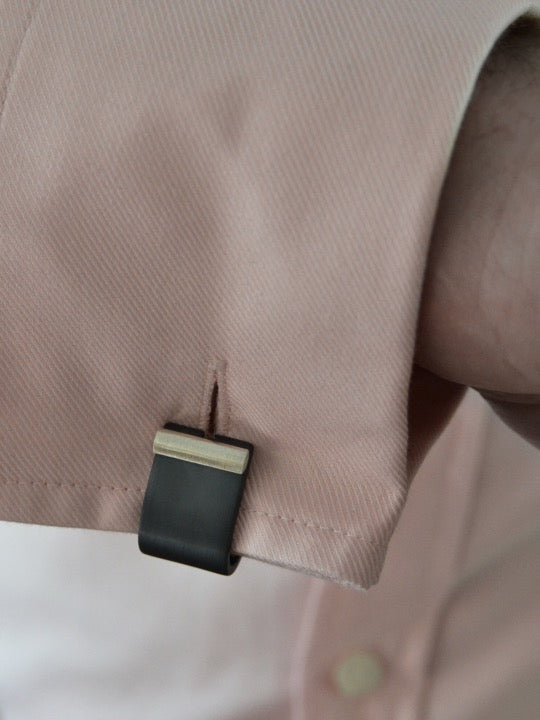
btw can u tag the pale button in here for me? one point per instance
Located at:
(358, 674)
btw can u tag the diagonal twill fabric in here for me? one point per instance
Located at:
(231, 194)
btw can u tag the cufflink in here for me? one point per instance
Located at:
(193, 497)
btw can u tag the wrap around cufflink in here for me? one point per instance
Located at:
(193, 497)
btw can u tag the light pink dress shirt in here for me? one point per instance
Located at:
(242, 193)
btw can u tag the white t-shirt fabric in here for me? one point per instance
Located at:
(93, 629)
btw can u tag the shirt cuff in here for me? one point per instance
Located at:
(223, 211)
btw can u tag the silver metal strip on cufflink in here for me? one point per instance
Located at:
(202, 451)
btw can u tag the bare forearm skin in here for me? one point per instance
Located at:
(479, 322)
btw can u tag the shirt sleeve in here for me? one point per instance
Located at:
(225, 208)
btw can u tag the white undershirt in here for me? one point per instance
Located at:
(92, 629)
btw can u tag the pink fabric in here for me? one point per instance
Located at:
(240, 192)
(243, 193)
(455, 616)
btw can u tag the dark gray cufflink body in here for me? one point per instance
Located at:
(193, 497)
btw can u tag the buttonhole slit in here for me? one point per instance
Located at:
(210, 431)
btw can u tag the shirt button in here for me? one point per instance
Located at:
(358, 674)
